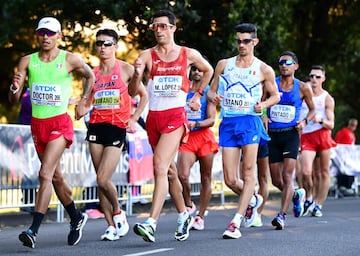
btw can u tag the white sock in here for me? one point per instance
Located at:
(237, 219)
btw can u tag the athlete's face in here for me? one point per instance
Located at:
(105, 46)
(245, 43)
(163, 30)
(287, 66)
(47, 39)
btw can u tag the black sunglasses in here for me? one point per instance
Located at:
(244, 41)
(106, 43)
(315, 76)
(194, 68)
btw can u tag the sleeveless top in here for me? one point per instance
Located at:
(50, 86)
(200, 114)
(241, 88)
(169, 83)
(112, 102)
(286, 112)
(319, 102)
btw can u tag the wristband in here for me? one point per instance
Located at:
(12, 89)
(306, 120)
(197, 124)
(321, 121)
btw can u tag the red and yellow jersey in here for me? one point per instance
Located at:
(112, 102)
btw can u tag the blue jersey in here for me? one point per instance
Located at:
(286, 112)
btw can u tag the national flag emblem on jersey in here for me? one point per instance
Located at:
(59, 66)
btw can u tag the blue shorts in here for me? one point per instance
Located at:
(242, 130)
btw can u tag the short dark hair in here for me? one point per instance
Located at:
(247, 28)
(165, 13)
(318, 67)
(291, 54)
(108, 32)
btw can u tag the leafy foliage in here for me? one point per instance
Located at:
(319, 32)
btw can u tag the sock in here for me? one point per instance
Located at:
(152, 222)
(118, 213)
(310, 199)
(74, 214)
(237, 219)
(37, 219)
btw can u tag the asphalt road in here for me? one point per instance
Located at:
(336, 233)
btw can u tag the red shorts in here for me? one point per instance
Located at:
(165, 121)
(317, 141)
(48, 129)
(201, 143)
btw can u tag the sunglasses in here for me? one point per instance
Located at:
(315, 76)
(106, 43)
(286, 62)
(43, 32)
(160, 26)
(194, 68)
(244, 41)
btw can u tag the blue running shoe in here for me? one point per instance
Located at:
(279, 222)
(28, 238)
(307, 207)
(298, 202)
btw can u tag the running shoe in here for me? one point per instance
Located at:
(76, 230)
(198, 223)
(28, 238)
(183, 227)
(298, 202)
(110, 234)
(307, 207)
(146, 231)
(251, 211)
(279, 222)
(121, 224)
(257, 223)
(191, 209)
(94, 214)
(232, 232)
(316, 212)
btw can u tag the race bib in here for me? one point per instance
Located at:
(46, 95)
(107, 99)
(167, 86)
(282, 113)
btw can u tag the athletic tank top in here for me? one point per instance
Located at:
(286, 113)
(112, 102)
(169, 83)
(319, 102)
(200, 114)
(50, 86)
(241, 88)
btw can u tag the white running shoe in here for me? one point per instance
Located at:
(110, 234)
(251, 211)
(121, 224)
(232, 231)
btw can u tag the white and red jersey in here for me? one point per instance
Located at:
(319, 102)
(169, 83)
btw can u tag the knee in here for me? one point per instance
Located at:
(231, 183)
(101, 181)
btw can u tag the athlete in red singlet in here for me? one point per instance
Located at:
(166, 67)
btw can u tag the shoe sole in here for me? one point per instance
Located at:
(81, 228)
(228, 235)
(186, 236)
(141, 231)
(26, 240)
